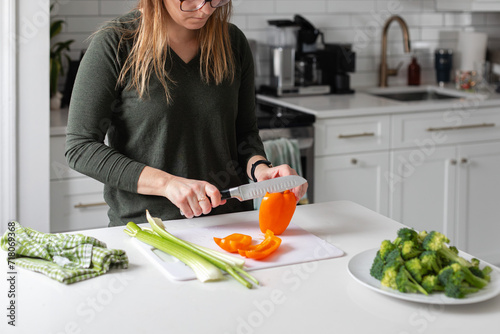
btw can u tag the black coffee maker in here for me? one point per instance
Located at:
(328, 66)
(336, 61)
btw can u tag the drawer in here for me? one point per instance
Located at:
(348, 135)
(59, 169)
(459, 125)
(77, 204)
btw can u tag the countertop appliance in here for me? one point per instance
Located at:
(301, 66)
(276, 122)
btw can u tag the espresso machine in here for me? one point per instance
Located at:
(301, 66)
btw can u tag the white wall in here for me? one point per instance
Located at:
(33, 113)
(8, 170)
(357, 22)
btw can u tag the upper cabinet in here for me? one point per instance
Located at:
(468, 5)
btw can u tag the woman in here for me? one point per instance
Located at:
(171, 84)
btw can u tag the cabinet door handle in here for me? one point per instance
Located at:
(88, 205)
(462, 127)
(364, 134)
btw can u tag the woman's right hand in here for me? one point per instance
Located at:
(192, 197)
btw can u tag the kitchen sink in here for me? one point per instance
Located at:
(415, 94)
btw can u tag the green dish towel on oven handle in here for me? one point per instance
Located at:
(67, 258)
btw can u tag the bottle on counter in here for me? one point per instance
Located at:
(414, 72)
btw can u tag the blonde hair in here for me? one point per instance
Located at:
(150, 49)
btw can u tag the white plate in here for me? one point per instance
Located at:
(359, 268)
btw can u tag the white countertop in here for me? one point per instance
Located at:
(361, 103)
(314, 297)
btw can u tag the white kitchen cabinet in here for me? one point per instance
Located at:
(422, 189)
(352, 134)
(351, 161)
(449, 180)
(478, 202)
(76, 201)
(77, 204)
(360, 178)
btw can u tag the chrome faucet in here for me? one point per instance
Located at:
(384, 70)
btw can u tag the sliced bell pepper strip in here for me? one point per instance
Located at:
(241, 243)
(233, 242)
(264, 249)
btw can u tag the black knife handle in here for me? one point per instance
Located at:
(225, 194)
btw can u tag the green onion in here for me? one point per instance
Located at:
(227, 266)
(203, 269)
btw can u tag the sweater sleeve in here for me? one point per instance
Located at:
(249, 141)
(91, 113)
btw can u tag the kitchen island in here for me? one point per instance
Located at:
(311, 297)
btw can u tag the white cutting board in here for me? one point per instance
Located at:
(297, 246)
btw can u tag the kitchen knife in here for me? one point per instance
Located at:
(259, 189)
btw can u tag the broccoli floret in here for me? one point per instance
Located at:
(415, 268)
(436, 241)
(389, 276)
(385, 248)
(446, 273)
(394, 256)
(421, 236)
(472, 279)
(456, 287)
(406, 283)
(454, 250)
(377, 268)
(397, 242)
(486, 273)
(410, 249)
(408, 234)
(477, 272)
(431, 283)
(430, 261)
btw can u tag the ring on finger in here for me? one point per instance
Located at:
(202, 199)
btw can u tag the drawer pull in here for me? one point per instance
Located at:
(461, 127)
(88, 205)
(364, 134)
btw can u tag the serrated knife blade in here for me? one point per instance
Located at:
(259, 189)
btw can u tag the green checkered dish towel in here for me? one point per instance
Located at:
(67, 258)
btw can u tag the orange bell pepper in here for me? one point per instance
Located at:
(241, 243)
(276, 211)
(233, 242)
(264, 249)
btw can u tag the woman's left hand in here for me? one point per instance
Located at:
(266, 173)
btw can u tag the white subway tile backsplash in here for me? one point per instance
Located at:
(116, 7)
(301, 7)
(357, 22)
(350, 6)
(85, 24)
(77, 8)
(458, 19)
(254, 7)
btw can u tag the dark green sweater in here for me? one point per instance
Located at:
(208, 132)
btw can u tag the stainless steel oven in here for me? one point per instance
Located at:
(280, 122)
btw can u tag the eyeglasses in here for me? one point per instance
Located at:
(194, 5)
